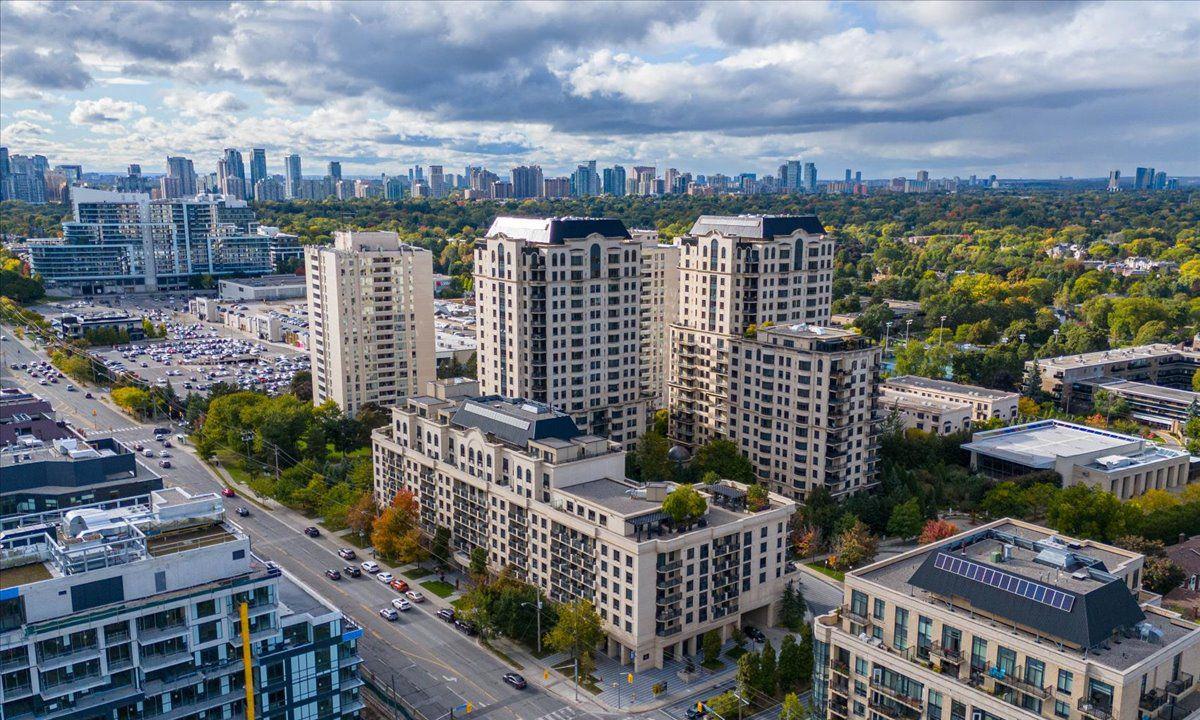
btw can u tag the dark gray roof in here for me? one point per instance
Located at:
(726, 491)
(1092, 618)
(515, 421)
(757, 226)
(555, 231)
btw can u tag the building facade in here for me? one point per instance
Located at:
(925, 414)
(136, 612)
(370, 313)
(1004, 622)
(986, 404)
(802, 408)
(735, 273)
(660, 307)
(521, 481)
(559, 319)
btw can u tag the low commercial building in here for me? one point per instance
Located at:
(25, 417)
(1070, 379)
(522, 482)
(139, 612)
(926, 414)
(1004, 622)
(79, 327)
(267, 287)
(1124, 465)
(68, 472)
(986, 404)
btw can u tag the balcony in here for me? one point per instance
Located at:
(1091, 710)
(1017, 681)
(840, 667)
(907, 700)
(668, 583)
(152, 635)
(68, 657)
(666, 567)
(1181, 685)
(950, 655)
(855, 617)
(153, 662)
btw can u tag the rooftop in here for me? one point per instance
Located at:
(804, 330)
(515, 421)
(904, 382)
(267, 280)
(1130, 388)
(556, 230)
(1042, 585)
(757, 226)
(892, 396)
(636, 502)
(1040, 444)
(1141, 352)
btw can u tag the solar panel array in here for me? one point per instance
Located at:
(1004, 581)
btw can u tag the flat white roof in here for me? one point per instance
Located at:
(1040, 444)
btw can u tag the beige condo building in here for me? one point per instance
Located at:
(802, 408)
(660, 307)
(559, 319)
(985, 403)
(736, 272)
(552, 504)
(1004, 622)
(370, 312)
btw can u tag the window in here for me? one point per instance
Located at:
(1006, 660)
(879, 609)
(1065, 678)
(900, 630)
(1062, 709)
(979, 654)
(924, 631)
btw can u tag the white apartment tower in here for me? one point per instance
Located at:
(660, 305)
(370, 312)
(559, 319)
(736, 272)
(802, 406)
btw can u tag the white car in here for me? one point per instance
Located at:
(402, 604)
(385, 577)
(370, 566)
(415, 596)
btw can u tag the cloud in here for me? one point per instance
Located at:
(44, 68)
(202, 103)
(23, 130)
(31, 114)
(103, 111)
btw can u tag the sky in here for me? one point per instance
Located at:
(1019, 89)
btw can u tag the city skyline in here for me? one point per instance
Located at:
(712, 88)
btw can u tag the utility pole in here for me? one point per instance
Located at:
(576, 679)
(276, 463)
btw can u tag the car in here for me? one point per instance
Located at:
(402, 604)
(242, 511)
(446, 614)
(139, 447)
(89, 396)
(352, 571)
(165, 464)
(415, 596)
(347, 554)
(166, 443)
(754, 633)
(389, 614)
(70, 388)
(333, 575)
(148, 453)
(385, 577)
(312, 532)
(399, 585)
(370, 566)
(228, 492)
(466, 626)
(693, 714)
(164, 454)
(515, 680)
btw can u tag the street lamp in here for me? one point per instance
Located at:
(539, 621)
(887, 333)
(941, 324)
(907, 327)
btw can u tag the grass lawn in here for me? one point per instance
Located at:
(439, 588)
(830, 572)
(352, 538)
(734, 653)
(502, 655)
(417, 573)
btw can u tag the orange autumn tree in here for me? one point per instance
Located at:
(396, 534)
(935, 530)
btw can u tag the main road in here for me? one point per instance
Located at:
(433, 667)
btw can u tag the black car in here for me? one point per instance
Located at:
(515, 680)
(466, 626)
(242, 511)
(312, 532)
(754, 633)
(347, 554)
(333, 575)
(694, 714)
(446, 614)
(352, 571)
(89, 396)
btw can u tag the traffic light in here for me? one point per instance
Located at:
(629, 678)
(470, 707)
(699, 706)
(545, 674)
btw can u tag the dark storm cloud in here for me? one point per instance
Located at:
(56, 69)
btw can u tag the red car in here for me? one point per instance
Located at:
(228, 492)
(399, 585)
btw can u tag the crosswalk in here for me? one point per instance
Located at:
(563, 713)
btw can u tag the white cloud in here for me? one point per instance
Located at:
(34, 115)
(104, 110)
(202, 103)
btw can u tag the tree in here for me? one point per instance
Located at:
(747, 676)
(725, 459)
(906, 519)
(712, 647)
(766, 669)
(792, 607)
(806, 654)
(478, 561)
(807, 540)
(395, 533)
(790, 664)
(725, 705)
(131, 399)
(935, 530)
(1109, 404)
(577, 633)
(853, 547)
(1088, 512)
(756, 498)
(440, 548)
(684, 505)
(792, 708)
(651, 457)
(710, 478)
(1160, 575)
(1154, 499)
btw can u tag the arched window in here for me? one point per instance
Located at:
(595, 260)
(712, 255)
(798, 256)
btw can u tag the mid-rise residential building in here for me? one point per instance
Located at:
(1004, 622)
(660, 305)
(986, 404)
(802, 408)
(521, 481)
(940, 417)
(737, 273)
(149, 610)
(370, 313)
(1123, 465)
(527, 181)
(180, 180)
(559, 319)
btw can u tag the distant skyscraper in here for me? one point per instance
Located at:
(72, 173)
(180, 180)
(556, 187)
(644, 175)
(810, 177)
(922, 176)
(1114, 180)
(1143, 179)
(790, 176)
(614, 180)
(258, 166)
(231, 174)
(437, 181)
(858, 176)
(291, 175)
(335, 170)
(527, 181)
(1160, 180)
(585, 181)
(847, 175)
